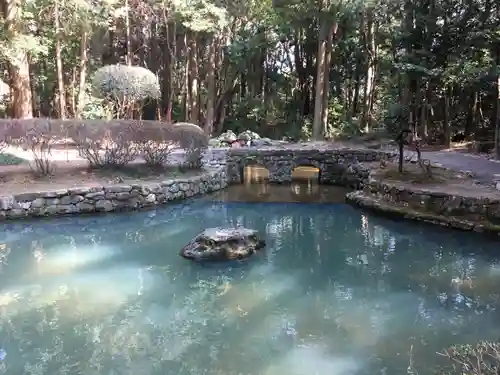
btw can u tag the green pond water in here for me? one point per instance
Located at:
(336, 291)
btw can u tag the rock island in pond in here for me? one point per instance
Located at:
(219, 244)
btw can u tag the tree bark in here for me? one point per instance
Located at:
(83, 73)
(61, 94)
(317, 126)
(326, 82)
(194, 79)
(127, 34)
(19, 68)
(209, 121)
(370, 73)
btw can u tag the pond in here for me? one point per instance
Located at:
(335, 292)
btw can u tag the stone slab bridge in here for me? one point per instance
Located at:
(337, 165)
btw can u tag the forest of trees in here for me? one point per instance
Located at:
(281, 68)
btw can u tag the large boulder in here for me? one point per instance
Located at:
(248, 135)
(220, 244)
(227, 136)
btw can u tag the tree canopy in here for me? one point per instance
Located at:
(281, 68)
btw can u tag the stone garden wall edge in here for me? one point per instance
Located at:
(338, 166)
(111, 198)
(223, 167)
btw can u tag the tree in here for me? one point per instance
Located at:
(281, 67)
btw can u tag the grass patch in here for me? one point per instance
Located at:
(9, 159)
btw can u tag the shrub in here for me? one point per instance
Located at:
(107, 143)
(124, 86)
(155, 143)
(480, 359)
(104, 143)
(34, 135)
(193, 140)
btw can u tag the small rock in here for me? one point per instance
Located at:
(16, 213)
(150, 198)
(6, 203)
(95, 196)
(118, 188)
(85, 207)
(77, 199)
(38, 203)
(65, 209)
(54, 194)
(79, 191)
(26, 197)
(104, 205)
(65, 200)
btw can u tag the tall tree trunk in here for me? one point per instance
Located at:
(317, 126)
(194, 78)
(209, 121)
(127, 34)
(83, 73)
(19, 68)
(446, 118)
(370, 73)
(326, 81)
(186, 88)
(169, 56)
(61, 94)
(496, 119)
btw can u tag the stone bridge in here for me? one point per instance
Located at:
(337, 166)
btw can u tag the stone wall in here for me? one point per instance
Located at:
(337, 166)
(110, 198)
(439, 200)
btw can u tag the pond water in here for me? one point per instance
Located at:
(335, 292)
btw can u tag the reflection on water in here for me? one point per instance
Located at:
(305, 173)
(255, 173)
(335, 292)
(259, 174)
(302, 191)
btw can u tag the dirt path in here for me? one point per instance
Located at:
(486, 170)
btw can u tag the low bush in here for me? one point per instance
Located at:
(193, 140)
(103, 143)
(106, 143)
(155, 143)
(480, 359)
(33, 135)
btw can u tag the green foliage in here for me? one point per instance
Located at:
(125, 86)
(201, 15)
(9, 159)
(125, 83)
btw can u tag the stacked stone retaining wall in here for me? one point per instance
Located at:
(109, 198)
(336, 166)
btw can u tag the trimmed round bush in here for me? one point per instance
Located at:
(123, 82)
